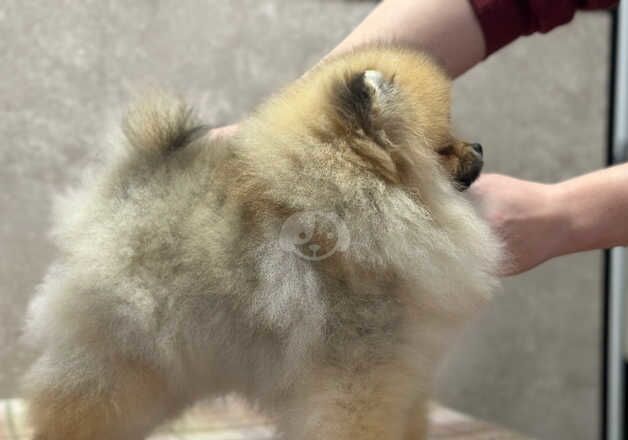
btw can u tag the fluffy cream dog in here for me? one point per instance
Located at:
(316, 263)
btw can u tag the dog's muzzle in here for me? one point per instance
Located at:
(471, 171)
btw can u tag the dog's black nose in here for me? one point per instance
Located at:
(477, 148)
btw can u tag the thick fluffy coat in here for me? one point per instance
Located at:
(316, 263)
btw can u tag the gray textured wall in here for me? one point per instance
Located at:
(529, 362)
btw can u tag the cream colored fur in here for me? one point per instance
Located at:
(173, 285)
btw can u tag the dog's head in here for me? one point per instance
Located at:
(365, 141)
(392, 107)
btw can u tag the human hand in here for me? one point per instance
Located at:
(527, 216)
(223, 132)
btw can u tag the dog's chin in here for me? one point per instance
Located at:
(464, 180)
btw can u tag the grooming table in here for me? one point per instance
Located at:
(228, 419)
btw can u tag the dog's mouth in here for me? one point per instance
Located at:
(469, 174)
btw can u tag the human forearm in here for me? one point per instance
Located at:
(460, 33)
(451, 34)
(595, 207)
(537, 221)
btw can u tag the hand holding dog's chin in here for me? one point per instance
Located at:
(527, 216)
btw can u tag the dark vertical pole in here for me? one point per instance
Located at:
(606, 253)
(614, 394)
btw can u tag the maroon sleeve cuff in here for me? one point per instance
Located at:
(503, 21)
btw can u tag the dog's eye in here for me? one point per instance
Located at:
(446, 151)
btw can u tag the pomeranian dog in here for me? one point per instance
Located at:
(316, 263)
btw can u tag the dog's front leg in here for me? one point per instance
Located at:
(417, 424)
(364, 404)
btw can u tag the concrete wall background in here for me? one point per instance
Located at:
(529, 362)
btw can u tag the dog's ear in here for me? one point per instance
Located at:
(363, 101)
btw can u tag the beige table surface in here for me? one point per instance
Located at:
(229, 419)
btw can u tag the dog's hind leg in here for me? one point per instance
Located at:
(126, 404)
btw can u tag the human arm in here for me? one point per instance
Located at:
(541, 221)
(451, 33)
(461, 33)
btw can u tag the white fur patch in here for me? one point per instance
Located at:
(374, 79)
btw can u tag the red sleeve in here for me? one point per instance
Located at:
(503, 21)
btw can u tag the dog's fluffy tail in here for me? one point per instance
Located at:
(159, 124)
